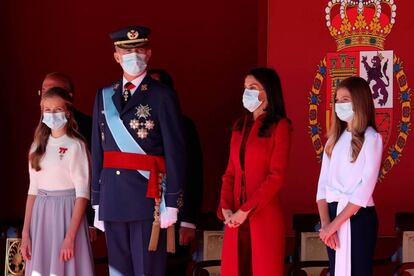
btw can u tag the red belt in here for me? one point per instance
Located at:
(133, 161)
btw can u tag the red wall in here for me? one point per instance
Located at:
(207, 46)
(298, 41)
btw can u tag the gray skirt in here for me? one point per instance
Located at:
(51, 216)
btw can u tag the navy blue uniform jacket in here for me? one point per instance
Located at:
(121, 193)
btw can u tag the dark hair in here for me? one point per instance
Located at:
(165, 78)
(64, 79)
(275, 109)
(42, 131)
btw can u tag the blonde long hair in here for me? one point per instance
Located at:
(42, 132)
(364, 116)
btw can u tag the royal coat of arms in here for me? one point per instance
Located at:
(360, 29)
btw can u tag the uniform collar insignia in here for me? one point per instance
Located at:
(116, 85)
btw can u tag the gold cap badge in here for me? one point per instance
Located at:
(132, 34)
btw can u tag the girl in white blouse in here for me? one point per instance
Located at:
(350, 167)
(55, 232)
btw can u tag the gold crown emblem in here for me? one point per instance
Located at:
(362, 23)
(132, 34)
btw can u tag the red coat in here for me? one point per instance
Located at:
(265, 166)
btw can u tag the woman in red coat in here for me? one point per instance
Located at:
(254, 235)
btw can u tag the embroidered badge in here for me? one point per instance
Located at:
(62, 152)
(116, 85)
(132, 34)
(143, 111)
(142, 133)
(149, 124)
(134, 124)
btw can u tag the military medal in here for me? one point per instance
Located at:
(142, 133)
(126, 95)
(143, 111)
(149, 124)
(62, 152)
(134, 124)
(141, 124)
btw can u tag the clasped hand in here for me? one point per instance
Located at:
(328, 234)
(234, 220)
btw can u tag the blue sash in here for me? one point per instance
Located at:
(122, 137)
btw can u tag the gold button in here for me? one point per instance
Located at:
(118, 172)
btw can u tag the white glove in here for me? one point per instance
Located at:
(96, 222)
(168, 217)
(188, 225)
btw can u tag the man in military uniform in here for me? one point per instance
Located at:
(138, 160)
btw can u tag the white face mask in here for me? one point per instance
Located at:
(344, 111)
(54, 120)
(133, 63)
(251, 99)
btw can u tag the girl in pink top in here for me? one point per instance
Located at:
(55, 232)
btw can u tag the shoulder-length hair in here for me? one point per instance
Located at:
(364, 116)
(42, 132)
(275, 109)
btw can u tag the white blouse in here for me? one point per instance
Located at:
(356, 181)
(342, 181)
(65, 165)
